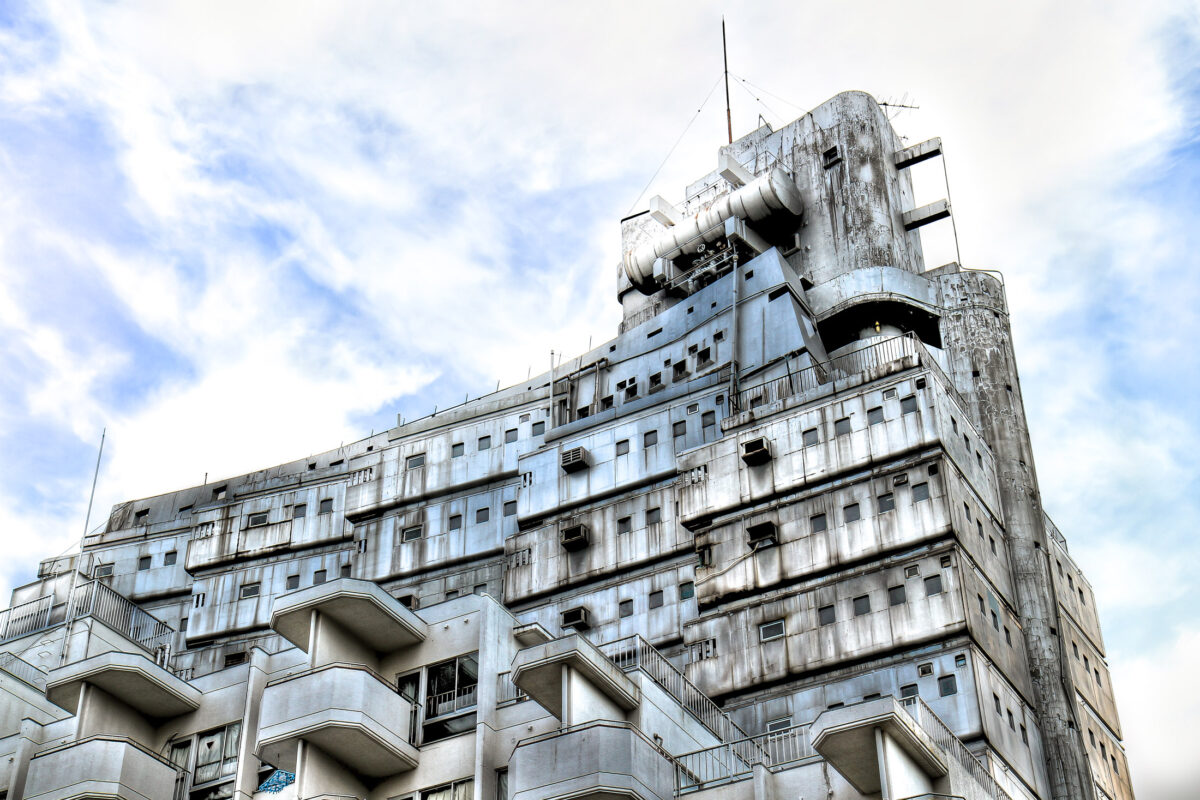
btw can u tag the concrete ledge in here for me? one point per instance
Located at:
(348, 712)
(599, 761)
(100, 767)
(361, 607)
(131, 678)
(845, 737)
(537, 671)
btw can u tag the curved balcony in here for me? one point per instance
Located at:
(346, 710)
(601, 760)
(100, 766)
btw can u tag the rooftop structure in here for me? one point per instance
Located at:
(781, 537)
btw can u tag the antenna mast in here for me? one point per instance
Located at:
(725, 55)
(95, 477)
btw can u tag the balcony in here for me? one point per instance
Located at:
(349, 712)
(100, 766)
(597, 761)
(131, 678)
(367, 612)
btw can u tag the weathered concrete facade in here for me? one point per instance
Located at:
(780, 537)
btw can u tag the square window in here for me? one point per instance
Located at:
(841, 427)
(933, 585)
(826, 615)
(889, 394)
(220, 492)
(140, 516)
(622, 447)
(256, 519)
(771, 630)
(924, 670)
(650, 438)
(249, 590)
(875, 415)
(510, 508)
(908, 405)
(960, 660)
(326, 506)
(483, 514)
(653, 516)
(624, 524)
(457, 449)
(319, 577)
(510, 436)
(144, 563)
(344, 571)
(679, 428)
(411, 533)
(862, 605)
(920, 491)
(455, 522)
(896, 595)
(687, 590)
(625, 609)
(908, 690)
(818, 523)
(415, 461)
(945, 562)
(299, 510)
(656, 599)
(912, 571)
(170, 558)
(947, 685)
(484, 443)
(293, 582)
(886, 502)
(538, 429)
(811, 437)
(851, 513)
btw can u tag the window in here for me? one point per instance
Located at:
(624, 525)
(415, 461)
(826, 615)
(771, 630)
(482, 514)
(450, 595)
(650, 438)
(249, 590)
(485, 443)
(1075, 647)
(875, 415)
(170, 558)
(293, 582)
(992, 542)
(510, 436)
(411, 533)
(912, 571)
(920, 491)
(947, 685)
(337, 463)
(220, 492)
(656, 599)
(451, 688)
(908, 405)
(862, 605)
(995, 621)
(622, 447)
(979, 528)
(144, 563)
(319, 577)
(708, 422)
(679, 370)
(841, 427)
(455, 522)
(256, 519)
(653, 516)
(539, 428)
(960, 660)
(625, 609)
(704, 357)
(704, 556)
(996, 703)
(908, 690)
(679, 428)
(183, 623)
(1007, 636)
(459, 790)
(924, 670)
(811, 437)
(933, 585)
(185, 509)
(851, 513)
(885, 502)
(457, 450)
(1092, 737)
(299, 510)
(779, 724)
(344, 571)
(502, 784)
(818, 523)
(140, 516)
(830, 158)
(326, 506)
(967, 511)
(687, 590)
(1024, 735)
(510, 508)
(1012, 723)
(216, 755)
(896, 596)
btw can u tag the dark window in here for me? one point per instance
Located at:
(256, 519)
(1007, 636)
(183, 623)
(299, 510)
(920, 491)
(622, 447)
(896, 595)
(411, 533)
(982, 607)
(485, 443)
(967, 511)
(319, 577)
(679, 428)
(457, 449)
(625, 608)
(908, 405)
(862, 605)
(326, 506)
(414, 461)
(653, 516)
(337, 463)
(483, 514)
(912, 570)
(775, 725)
(708, 419)
(656, 599)
(933, 585)
(185, 509)
(960, 660)
(650, 438)
(851, 513)
(924, 670)
(233, 659)
(826, 615)
(249, 590)
(140, 516)
(996, 703)
(886, 502)
(945, 561)
(992, 544)
(1024, 735)
(455, 522)
(539, 428)
(811, 437)
(144, 563)
(510, 508)
(818, 522)
(995, 621)
(344, 571)
(510, 436)
(220, 492)
(947, 685)
(624, 525)
(875, 415)
(1012, 723)
(908, 690)
(841, 427)
(771, 630)
(293, 582)
(704, 357)
(687, 590)
(979, 528)
(170, 558)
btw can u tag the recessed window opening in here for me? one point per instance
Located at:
(841, 427)
(144, 563)
(818, 523)
(826, 615)
(920, 491)
(411, 533)
(875, 415)
(326, 506)
(457, 450)
(656, 599)
(774, 629)
(862, 605)
(455, 522)
(415, 461)
(319, 577)
(256, 519)
(851, 513)
(249, 590)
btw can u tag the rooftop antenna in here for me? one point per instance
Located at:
(725, 56)
(95, 477)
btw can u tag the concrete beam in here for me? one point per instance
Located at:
(664, 212)
(918, 153)
(729, 169)
(738, 229)
(926, 214)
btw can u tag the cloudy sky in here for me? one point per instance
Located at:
(237, 233)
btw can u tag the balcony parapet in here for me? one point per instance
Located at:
(131, 678)
(346, 710)
(538, 672)
(365, 610)
(100, 766)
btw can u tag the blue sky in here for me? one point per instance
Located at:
(237, 234)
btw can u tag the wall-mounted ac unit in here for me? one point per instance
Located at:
(756, 451)
(574, 460)
(574, 537)
(762, 534)
(578, 618)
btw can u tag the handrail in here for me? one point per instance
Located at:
(95, 599)
(332, 665)
(104, 737)
(952, 745)
(23, 671)
(451, 702)
(507, 692)
(724, 763)
(26, 618)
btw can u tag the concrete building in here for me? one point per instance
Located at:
(781, 537)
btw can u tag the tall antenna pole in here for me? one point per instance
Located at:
(725, 55)
(95, 477)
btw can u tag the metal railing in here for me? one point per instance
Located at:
(634, 652)
(735, 760)
(952, 745)
(439, 705)
(26, 618)
(507, 692)
(22, 670)
(94, 599)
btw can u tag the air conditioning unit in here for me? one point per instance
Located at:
(756, 451)
(574, 537)
(762, 534)
(578, 618)
(574, 460)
